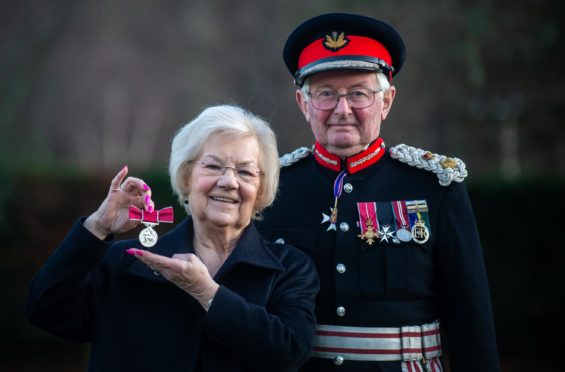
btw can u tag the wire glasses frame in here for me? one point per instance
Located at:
(246, 173)
(328, 100)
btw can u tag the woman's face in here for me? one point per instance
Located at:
(224, 183)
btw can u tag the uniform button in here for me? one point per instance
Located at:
(344, 226)
(340, 311)
(340, 268)
(279, 241)
(338, 360)
(347, 187)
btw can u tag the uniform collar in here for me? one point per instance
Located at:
(353, 163)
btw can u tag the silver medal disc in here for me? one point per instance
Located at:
(403, 235)
(148, 237)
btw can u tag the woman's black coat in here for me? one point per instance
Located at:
(262, 317)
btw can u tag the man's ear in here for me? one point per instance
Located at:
(388, 99)
(303, 104)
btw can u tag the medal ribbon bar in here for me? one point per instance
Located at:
(165, 215)
(368, 221)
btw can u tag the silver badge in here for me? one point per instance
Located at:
(420, 232)
(148, 236)
(403, 235)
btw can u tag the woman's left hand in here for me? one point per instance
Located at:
(185, 270)
(112, 216)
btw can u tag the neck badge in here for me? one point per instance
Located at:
(338, 188)
(148, 236)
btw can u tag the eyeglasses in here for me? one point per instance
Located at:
(245, 172)
(328, 100)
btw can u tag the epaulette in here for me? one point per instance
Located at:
(447, 169)
(289, 159)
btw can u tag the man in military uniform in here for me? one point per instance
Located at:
(391, 230)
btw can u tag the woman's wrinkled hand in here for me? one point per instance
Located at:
(112, 217)
(184, 270)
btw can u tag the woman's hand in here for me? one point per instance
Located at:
(112, 217)
(185, 270)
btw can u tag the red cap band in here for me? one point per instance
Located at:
(357, 46)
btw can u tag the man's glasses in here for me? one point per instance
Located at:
(245, 172)
(358, 99)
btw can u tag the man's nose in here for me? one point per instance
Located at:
(343, 105)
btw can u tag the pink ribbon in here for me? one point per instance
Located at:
(165, 215)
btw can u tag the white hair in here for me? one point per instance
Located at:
(217, 122)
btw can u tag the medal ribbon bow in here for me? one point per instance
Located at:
(165, 215)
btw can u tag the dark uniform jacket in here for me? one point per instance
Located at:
(388, 284)
(261, 319)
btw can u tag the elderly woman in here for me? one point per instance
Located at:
(212, 295)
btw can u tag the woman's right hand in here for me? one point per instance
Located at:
(185, 270)
(112, 217)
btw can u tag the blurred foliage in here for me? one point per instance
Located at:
(95, 84)
(86, 87)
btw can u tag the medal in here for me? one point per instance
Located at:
(370, 234)
(418, 215)
(403, 235)
(368, 221)
(332, 218)
(401, 221)
(420, 233)
(338, 187)
(385, 234)
(148, 236)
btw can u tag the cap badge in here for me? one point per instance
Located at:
(334, 42)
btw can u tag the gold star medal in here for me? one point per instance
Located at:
(368, 222)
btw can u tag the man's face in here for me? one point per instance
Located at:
(345, 131)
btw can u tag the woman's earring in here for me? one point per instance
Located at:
(185, 201)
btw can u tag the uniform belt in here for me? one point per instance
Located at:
(409, 343)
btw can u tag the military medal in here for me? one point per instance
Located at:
(418, 215)
(403, 235)
(420, 232)
(338, 187)
(385, 233)
(368, 222)
(148, 236)
(401, 221)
